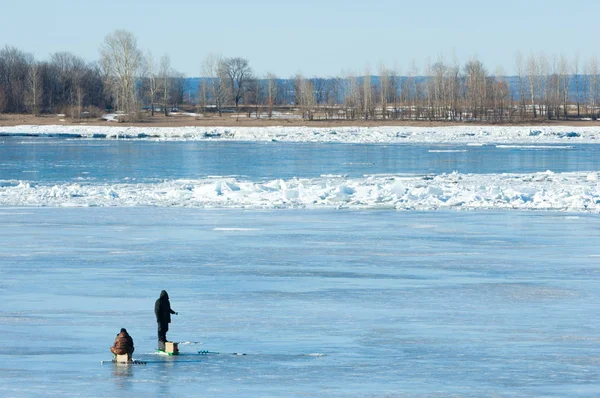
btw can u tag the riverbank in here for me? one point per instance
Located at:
(229, 120)
(446, 134)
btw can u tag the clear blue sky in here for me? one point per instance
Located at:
(315, 37)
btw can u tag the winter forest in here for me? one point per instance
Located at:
(132, 82)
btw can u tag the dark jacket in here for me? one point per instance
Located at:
(123, 344)
(162, 308)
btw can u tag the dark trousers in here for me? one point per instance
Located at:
(163, 328)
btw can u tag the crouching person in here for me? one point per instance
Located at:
(123, 345)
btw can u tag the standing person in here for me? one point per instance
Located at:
(163, 311)
(123, 344)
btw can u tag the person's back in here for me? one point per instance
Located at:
(162, 308)
(123, 344)
(163, 311)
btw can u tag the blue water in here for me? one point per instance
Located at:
(323, 302)
(58, 160)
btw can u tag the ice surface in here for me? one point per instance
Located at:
(575, 192)
(324, 303)
(470, 135)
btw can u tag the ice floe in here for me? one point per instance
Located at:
(469, 135)
(573, 192)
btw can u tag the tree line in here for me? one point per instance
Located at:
(122, 80)
(128, 81)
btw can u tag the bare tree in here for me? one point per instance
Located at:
(320, 88)
(34, 88)
(62, 65)
(520, 73)
(239, 74)
(150, 72)
(331, 97)
(532, 72)
(454, 90)
(367, 95)
(351, 96)
(254, 95)
(414, 93)
(14, 67)
(394, 89)
(585, 86)
(177, 89)
(2, 98)
(165, 81)
(298, 81)
(78, 91)
(285, 92)
(304, 96)
(428, 91)
(502, 97)
(577, 80)
(69, 72)
(271, 93)
(564, 86)
(542, 84)
(59, 84)
(594, 89)
(308, 99)
(212, 68)
(384, 90)
(439, 83)
(202, 96)
(554, 88)
(121, 60)
(475, 86)
(93, 84)
(298, 98)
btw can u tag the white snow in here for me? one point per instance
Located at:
(573, 192)
(468, 135)
(110, 117)
(236, 229)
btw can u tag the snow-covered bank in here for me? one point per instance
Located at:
(391, 134)
(576, 192)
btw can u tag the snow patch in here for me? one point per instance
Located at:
(465, 135)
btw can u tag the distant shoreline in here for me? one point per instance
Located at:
(179, 120)
(188, 128)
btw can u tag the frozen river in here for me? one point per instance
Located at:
(302, 256)
(324, 303)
